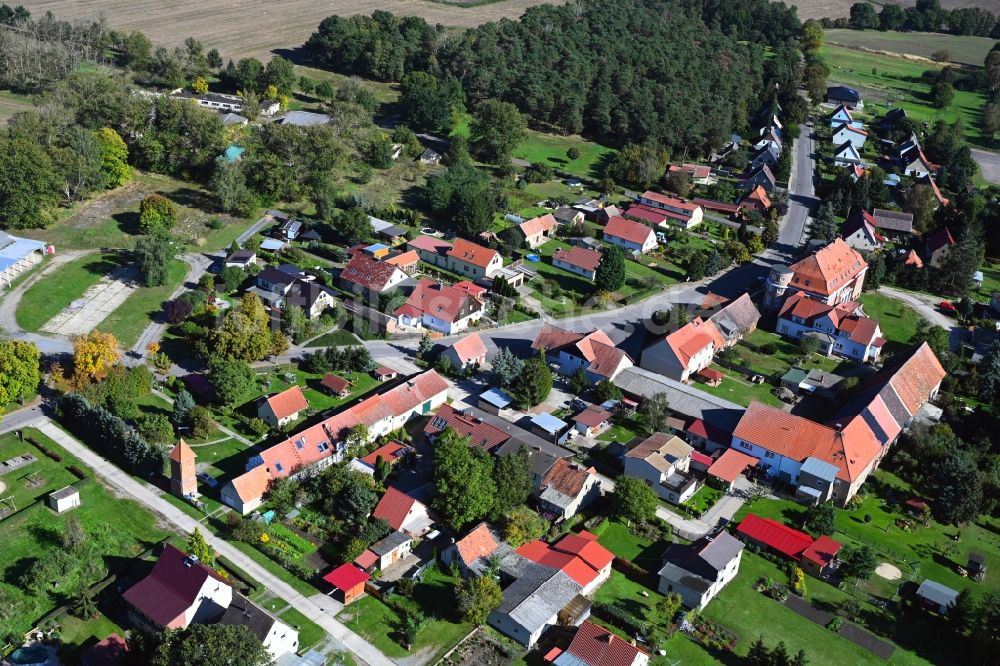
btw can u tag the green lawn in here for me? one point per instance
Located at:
(704, 499)
(753, 352)
(617, 433)
(131, 318)
(991, 281)
(11, 103)
(551, 149)
(52, 293)
(618, 588)
(379, 624)
(616, 537)
(737, 389)
(117, 530)
(338, 338)
(310, 633)
(896, 79)
(964, 49)
(898, 321)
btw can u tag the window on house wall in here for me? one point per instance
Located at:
(745, 445)
(768, 454)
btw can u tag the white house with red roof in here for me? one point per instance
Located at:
(473, 552)
(846, 133)
(473, 261)
(700, 174)
(833, 274)
(580, 260)
(368, 277)
(538, 230)
(594, 352)
(685, 352)
(842, 329)
(178, 592)
(323, 444)
(431, 250)
(282, 408)
(440, 307)
(466, 352)
(593, 645)
(631, 236)
(403, 512)
(683, 213)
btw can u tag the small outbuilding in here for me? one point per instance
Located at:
(335, 385)
(494, 401)
(64, 499)
(348, 582)
(384, 374)
(936, 597)
(820, 559)
(976, 567)
(549, 427)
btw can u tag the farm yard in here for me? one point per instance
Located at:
(258, 28)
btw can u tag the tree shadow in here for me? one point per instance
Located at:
(600, 166)
(128, 222)
(45, 535)
(190, 197)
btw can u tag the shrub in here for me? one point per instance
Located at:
(835, 624)
(868, 518)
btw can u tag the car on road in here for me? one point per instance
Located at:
(205, 478)
(947, 306)
(578, 404)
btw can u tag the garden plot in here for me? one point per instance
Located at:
(84, 314)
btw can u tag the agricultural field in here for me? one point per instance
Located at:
(816, 9)
(257, 27)
(965, 50)
(887, 81)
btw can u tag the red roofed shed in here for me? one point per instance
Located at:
(348, 580)
(818, 558)
(731, 464)
(771, 535)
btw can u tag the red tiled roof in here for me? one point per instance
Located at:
(731, 464)
(655, 216)
(441, 301)
(596, 646)
(585, 546)
(673, 202)
(917, 378)
(170, 588)
(592, 416)
(288, 402)
(580, 257)
(701, 458)
(390, 452)
(696, 170)
(479, 432)
(776, 536)
(477, 543)
(470, 288)
(711, 374)
(430, 244)
(108, 652)
(627, 230)
(578, 556)
(758, 194)
(852, 449)
(828, 269)
(538, 225)
(393, 507)
(720, 206)
(822, 551)
(368, 273)
(366, 559)
(346, 577)
(552, 338)
(403, 259)
(251, 484)
(334, 383)
(182, 452)
(913, 259)
(689, 340)
(470, 253)
(383, 371)
(469, 348)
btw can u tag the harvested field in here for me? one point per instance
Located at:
(241, 28)
(963, 50)
(841, 8)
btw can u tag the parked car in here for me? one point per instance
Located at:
(947, 306)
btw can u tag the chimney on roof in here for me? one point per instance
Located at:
(838, 426)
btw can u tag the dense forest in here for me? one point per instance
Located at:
(681, 73)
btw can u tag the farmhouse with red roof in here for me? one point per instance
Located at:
(473, 261)
(403, 512)
(368, 277)
(178, 592)
(685, 214)
(593, 645)
(579, 556)
(594, 352)
(633, 237)
(842, 329)
(466, 352)
(834, 274)
(580, 260)
(480, 433)
(282, 408)
(440, 307)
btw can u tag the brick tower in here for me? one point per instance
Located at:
(182, 470)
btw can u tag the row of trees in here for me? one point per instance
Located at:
(924, 16)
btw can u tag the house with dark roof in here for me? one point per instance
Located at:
(936, 597)
(840, 116)
(699, 571)
(894, 224)
(241, 259)
(391, 549)
(277, 637)
(842, 329)
(178, 592)
(937, 245)
(844, 95)
(534, 602)
(594, 352)
(860, 233)
(766, 155)
(758, 177)
(631, 236)
(663, 461)
(568, 487)
(847, 154)
(480, 433)
(891, 118)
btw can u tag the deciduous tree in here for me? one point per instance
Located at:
(19, 374)
(497, 129)
(232, 379)
(633, 499)
(157, 214)
(197, 546)
(94, 354)
(463, 480)
(512, 477)
(523, 525)
(477, 597)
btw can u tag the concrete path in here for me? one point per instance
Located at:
(318, 608)
(222, 428)
(925, 304)
(198, 264)
(724, 509)
(86, 313)
(989, 164)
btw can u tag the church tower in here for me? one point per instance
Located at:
(183, 482)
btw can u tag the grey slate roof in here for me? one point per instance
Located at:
(820, 469)
(936, 592)
(304, 118)
(697, 565)
(63, 493)
(389, 543)
(683, 399)
(538, 595)
(243, 612)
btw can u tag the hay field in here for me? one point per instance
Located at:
(257, 27)
(964, 50)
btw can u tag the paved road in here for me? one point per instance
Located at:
(989, 164)
(801, 193)
(317, 608)
(257, 226)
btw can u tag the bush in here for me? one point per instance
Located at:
(835, 624)
(41, 447)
